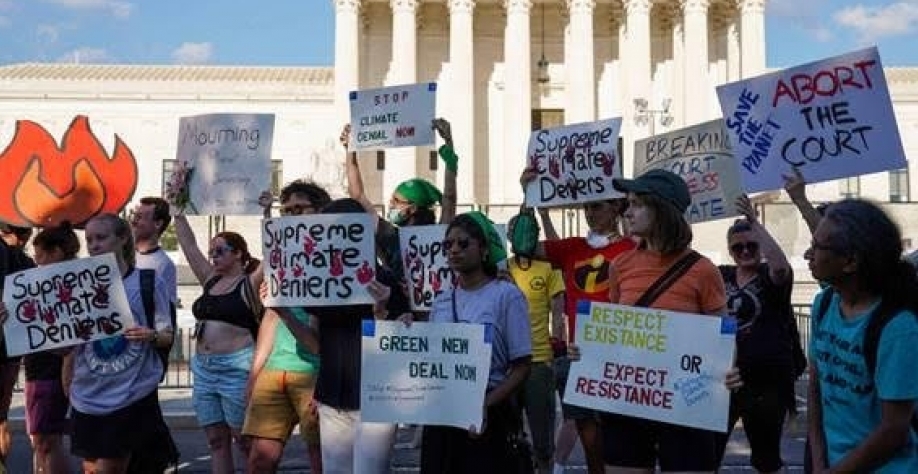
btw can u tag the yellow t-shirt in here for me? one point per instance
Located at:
(540, 283)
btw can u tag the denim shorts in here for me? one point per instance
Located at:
(219, 387)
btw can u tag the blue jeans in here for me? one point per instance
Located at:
(220, 381)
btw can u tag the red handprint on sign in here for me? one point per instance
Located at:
(336, 268)
(309, 246)
(64, 293)
(436, 282)
(608, 164)
(48, 315)
(100, 299)
(298, 270)
(365, 273)
(554, 166)
(29, 311)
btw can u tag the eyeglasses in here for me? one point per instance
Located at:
(297, 209)
(738, 247)
(463, 243)
(219, 251)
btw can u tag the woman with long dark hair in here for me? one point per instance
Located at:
(474, 248)
(859, 414)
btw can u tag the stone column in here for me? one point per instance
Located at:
(462, 95)
(401, 163)
(347, 56)
(637, 13)
(697, 80)
(518, 97)
(678, 80)
(752, 36)
(734, 55)
(579, 59)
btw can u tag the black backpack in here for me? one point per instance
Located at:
(871, 344)
(148, 294)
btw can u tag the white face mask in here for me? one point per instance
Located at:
(597, 241)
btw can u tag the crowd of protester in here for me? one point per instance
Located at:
(259, 372)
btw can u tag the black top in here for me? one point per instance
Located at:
(230, 307)
(388, 246)
(45, 365)
(12, 260)
(340, 333)
(764, 340)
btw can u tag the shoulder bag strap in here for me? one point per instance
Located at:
(455, 314)
(667, 279)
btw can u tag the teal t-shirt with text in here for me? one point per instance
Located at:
(850, 400)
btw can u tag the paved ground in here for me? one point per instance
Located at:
(177, 405)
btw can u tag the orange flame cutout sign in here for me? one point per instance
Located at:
(43, 184)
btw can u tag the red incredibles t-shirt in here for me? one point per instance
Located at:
(586, 271)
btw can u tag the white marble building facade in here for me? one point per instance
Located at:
(601, 55)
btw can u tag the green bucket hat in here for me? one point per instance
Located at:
(496, 250)
(420, 192)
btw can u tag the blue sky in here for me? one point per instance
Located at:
(301, 32)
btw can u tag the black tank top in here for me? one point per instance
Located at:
(230, 307)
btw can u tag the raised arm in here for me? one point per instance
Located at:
(779, 269)
(448, 155)
(198, 262)
(795, 186)
(355, 188)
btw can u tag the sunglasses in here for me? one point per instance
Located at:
(463, 243)
(297, 209)
(738, 247)
(219, 251)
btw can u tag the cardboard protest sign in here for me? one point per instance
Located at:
(44, 184)
(319, 260)
(65, 304)
(391, 117)
(832, 119)
(653, 364)
(701, 155)
(410, 373)
(576, 163)
(228, 158)
(425, 261)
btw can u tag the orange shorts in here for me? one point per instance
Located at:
(279, 401)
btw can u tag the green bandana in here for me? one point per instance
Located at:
(420, 192)
(496, 250)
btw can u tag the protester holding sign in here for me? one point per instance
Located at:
(46, 398)
(227, 315)
(657, 201)
(585, 263)
(115, 379)
(863, 389)
(285, 368)
(475, 248)
(759, 297)
(12, 259)
(349, 444)
(543, 287)
(412, 201)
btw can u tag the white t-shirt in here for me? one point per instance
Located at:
(159, 262)
(503, 309)
(113, 373)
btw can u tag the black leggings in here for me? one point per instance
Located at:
(763, 411)
(448, 450)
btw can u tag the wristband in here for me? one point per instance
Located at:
(449, 157)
